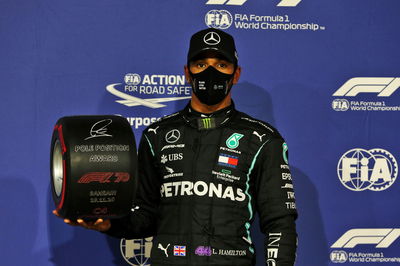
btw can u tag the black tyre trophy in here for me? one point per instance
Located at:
(93, 165)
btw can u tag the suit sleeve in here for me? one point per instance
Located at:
(275, 203)
(142, 220)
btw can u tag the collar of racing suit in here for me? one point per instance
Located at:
(203, 121)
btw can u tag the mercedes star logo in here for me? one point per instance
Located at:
(212, 38)
(172, 136)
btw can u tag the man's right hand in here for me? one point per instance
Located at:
(98, 225)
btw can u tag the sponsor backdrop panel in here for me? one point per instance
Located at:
(325, 73)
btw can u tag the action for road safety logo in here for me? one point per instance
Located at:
(136, 90)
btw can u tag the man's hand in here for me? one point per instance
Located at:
(98, 225)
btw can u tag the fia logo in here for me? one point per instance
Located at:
(340, 105)
(360, 169)
(339, 256)
(132, 79)
(218, 19)
(136, 252)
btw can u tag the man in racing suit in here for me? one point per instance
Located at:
(205, 171)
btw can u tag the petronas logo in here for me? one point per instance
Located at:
(233, 141)
(206, 122)
(284, 152)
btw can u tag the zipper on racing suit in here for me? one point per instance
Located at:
(196, 150)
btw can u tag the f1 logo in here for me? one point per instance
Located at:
(382, 237)
(286, 3)
(227, 2)
(383, 86)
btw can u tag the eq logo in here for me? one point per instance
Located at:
(384, 87)
(360, 169)
(382, 237)
(340, 105)
(136, 251)
(339, 256)
(218, 19)
(132, 79)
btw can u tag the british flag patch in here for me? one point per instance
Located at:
(179, 250)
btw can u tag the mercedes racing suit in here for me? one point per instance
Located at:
(201, 180)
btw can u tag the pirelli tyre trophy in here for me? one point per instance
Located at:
(93, 165)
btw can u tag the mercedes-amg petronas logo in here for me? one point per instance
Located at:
(172, 136)
(212, 38)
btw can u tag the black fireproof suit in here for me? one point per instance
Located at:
(201, 180)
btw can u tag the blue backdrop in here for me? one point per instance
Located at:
(325, 73)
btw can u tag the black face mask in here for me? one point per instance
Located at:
(211, 86)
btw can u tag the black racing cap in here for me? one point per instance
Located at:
(213, 40)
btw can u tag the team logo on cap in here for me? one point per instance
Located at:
(212, 38)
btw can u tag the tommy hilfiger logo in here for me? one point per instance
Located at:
(228, 160)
